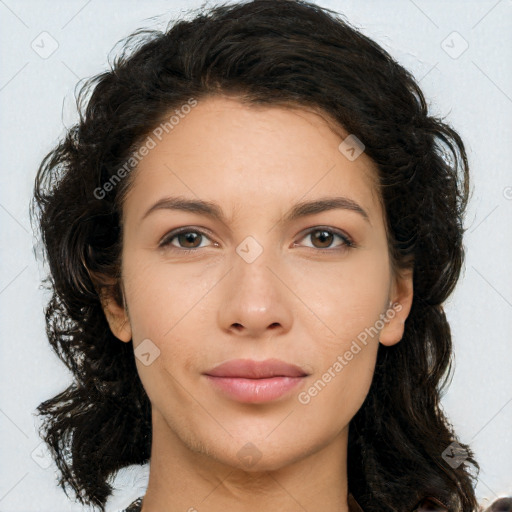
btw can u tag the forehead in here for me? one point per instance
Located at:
(225, 150)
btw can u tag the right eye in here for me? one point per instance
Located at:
(187, 239)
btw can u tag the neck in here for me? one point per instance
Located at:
(182, 479)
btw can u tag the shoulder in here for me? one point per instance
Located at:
(135, 506)
(501, 505)
(430, 505)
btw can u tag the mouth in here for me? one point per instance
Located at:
(249, 381)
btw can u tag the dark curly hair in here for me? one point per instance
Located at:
(266, 52)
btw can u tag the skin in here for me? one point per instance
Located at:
(301, 300)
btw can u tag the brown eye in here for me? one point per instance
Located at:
(322, 238)
(186, 239)
(189, 240)
(325, 238)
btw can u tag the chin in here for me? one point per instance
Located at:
(256, 451)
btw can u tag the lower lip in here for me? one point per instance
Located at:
(255, 390)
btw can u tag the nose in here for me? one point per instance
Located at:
(255, 300)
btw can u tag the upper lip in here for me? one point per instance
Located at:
(250, 369)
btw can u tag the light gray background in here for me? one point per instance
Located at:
(473, 88)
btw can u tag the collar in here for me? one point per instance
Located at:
(431, 504)
(427, 504)
(353, 506)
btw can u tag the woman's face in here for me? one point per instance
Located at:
(254, 277)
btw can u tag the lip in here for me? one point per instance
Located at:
(249, 381)
(250, 369)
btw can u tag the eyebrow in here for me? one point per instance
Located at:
(302, 209)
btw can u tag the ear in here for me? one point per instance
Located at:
(401, 296)
(117, 316)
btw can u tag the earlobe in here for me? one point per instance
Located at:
(401, 302)
(117, 318)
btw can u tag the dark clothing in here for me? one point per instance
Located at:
(426, 505)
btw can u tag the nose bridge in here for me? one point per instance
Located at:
(255, 299)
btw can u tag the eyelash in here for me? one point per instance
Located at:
(347, 242)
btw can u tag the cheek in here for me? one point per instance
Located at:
(168, 306)
(344, 298)
(346, 303)
(337, 393)
(163, 307)
(160, 297)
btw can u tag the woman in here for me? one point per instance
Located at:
(251, 233)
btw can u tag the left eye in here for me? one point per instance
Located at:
(324, 238)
